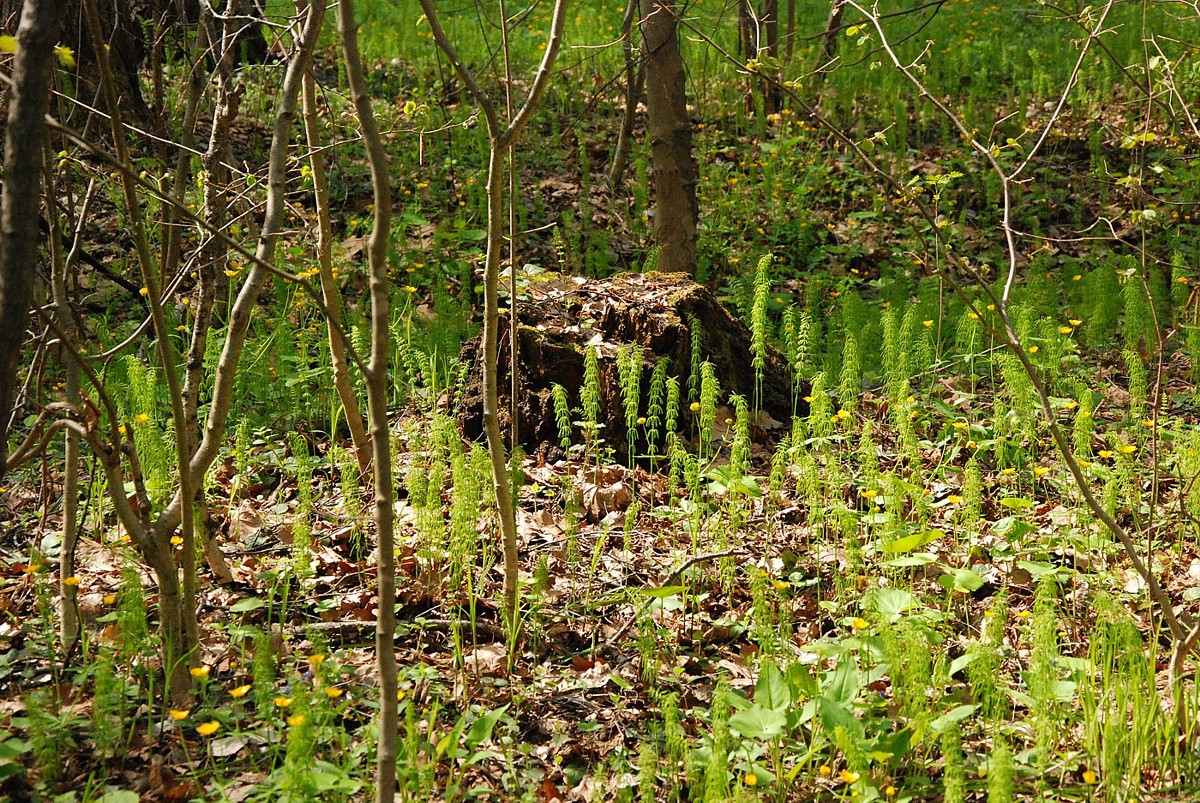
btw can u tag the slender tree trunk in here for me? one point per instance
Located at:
(829, 40)
(377, 396)
(500, 139)
(342, 382)
(772, 92)
(634, 81)
(676, 208)
(39, 31)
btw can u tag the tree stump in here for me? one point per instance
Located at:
(561, 317)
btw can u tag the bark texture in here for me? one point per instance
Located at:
(676, 208)
(41, 25)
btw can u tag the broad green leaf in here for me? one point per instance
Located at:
(960, 663)
(963, 581)
(772, 690)
(909, 561)
(1039, 568)
(757, 722)
(1016, 503)
(891, 603)
(118, 796)
(947, 719)
(481, 729)
(1012, 528)
(664, 592)
(842, 682)
(248, 604)
(911, 542)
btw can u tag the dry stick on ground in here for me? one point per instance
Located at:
(500, 138)
(41, 23)
(342, 382)
(377, 399)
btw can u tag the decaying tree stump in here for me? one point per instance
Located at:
(561, 317)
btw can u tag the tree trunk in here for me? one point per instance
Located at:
(772, 92)
(676, 208)
(41, 25)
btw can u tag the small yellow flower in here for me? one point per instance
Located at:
(1040, 471)
(1076, 277)
(1008, 471)
(1074, 322)
(199, 671)
(842, 415)
(870, 493)
(283, 702)
(973, 315)
(400, 695)
(208, 728)
(110, 599)
(750, 779)
(237, 692)
(991, 307)
(1071, 405)
(179, 714)
(641, 420)
(70, 581)
(954, 499)
(141, 418)
(1021, 614)
(296, 720)
(1085, 463)
(1033, 349)
(695, 407)
(972, 445)
(779, 585)
(316, 660)
(927, 324)
(176, 540)
(1126, 448)
(1180, 280)
(410, 289)
(1089, 777)
(848, 777)
(890, 790)
(960, 424)
(144, 291)
(860, 624)
(825, 770)
(333, 691)
(65, 56)
(1066, 330)
(911, 400)
(1147, 423)
(1105, 453)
